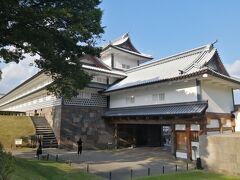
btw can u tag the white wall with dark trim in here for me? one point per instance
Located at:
(184, 91)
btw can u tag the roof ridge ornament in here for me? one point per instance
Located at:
(181, 72)
(125, 35)
(216, 41)
(211, 46)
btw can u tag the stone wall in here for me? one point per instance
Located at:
(220, 153)
(87, 123)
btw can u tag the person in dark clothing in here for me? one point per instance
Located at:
(39, 149)
(79, 144)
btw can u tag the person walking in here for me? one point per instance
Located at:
(79, 144)
(39, 149)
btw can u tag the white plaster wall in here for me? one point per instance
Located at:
(121, 57)
(99, 79)
(112, 80)
(174, 93)
(181, 155)
(195, 156)
(180, 127)
(219, 98)
(228, 123)
(107, 60)
(26, 104)
(35, 84)
(195, 127)
(237, 121)
(214, 123)
(119, 60)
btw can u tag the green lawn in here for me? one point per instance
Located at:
(12, 127)
(27, 169)
(193, 175)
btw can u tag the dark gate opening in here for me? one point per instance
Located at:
(148, 135)
(144, 135)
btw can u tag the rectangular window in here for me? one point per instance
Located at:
(194, 136)
(130, 99)
(158, 97)
(155, 98)
(161, 96)
(125, 66)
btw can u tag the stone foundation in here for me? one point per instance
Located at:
(87, 123)
(69, 123)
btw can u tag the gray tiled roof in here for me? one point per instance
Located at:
(156, 70)
(187, 108)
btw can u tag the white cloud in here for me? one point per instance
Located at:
(234, 68)
(13, 74)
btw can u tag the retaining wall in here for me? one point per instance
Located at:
(221, 153)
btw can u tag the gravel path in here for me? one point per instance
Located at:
(119, 162)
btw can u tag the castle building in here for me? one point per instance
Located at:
(134, 100)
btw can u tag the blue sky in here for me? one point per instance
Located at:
(162, 28)
(166, 27)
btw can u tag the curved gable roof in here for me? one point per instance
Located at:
(125, 44)
(178, 65)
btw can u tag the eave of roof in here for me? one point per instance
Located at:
(38, 90)
(25, 82)
(185, 108)
(96, 61)
(183, 76)
(122, 74)
(87, 67)
(127, 51)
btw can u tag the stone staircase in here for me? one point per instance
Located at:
(43, 129)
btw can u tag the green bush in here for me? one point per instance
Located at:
(7, 163)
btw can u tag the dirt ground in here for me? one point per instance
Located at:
(119, 163)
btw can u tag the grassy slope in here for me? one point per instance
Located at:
(12, 127)
(194, 175)
(27, 169)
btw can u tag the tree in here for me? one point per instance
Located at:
(59, 31)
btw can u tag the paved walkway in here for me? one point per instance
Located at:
(118, 162)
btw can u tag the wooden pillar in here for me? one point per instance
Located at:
(203, 126)
(173, 140)
(116, 136)
(134, 136)
(233, 123)
(161, 136)
(189, 148)
(220, 125)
